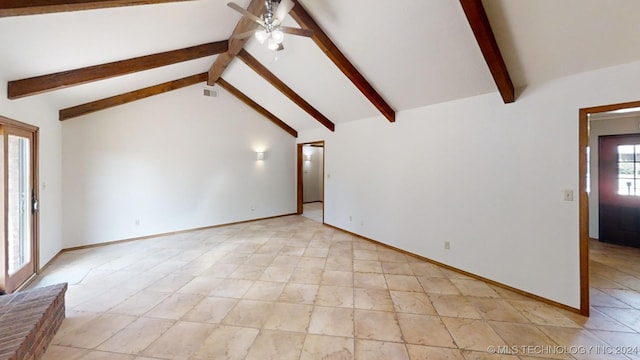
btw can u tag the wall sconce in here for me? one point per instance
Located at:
(259, 155)
(307, 157)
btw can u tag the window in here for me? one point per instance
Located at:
(629, 170)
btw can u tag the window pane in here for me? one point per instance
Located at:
(19, 203)
(626, 170)
(626, 187)
(626, 153)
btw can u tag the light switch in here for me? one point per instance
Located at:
(568, 195)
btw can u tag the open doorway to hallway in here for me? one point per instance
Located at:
(311, 180)
(610, 274)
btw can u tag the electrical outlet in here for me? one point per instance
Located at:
(350, 218)
(447, 245)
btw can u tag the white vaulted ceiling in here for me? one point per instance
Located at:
(413, 52)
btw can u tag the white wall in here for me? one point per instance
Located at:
(175, 161)
(486, 176)
(312, 174)
(612, 126)
(36, 112)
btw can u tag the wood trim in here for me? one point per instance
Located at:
(131, 96)
(304, 19)
(39, 84)
(81, 247)
(255, 106)
(300, 184)
(235, 45)
(261, 70)
(34, 7)
(583, 143)
(481, 28)
(471, 275)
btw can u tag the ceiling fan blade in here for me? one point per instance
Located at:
(244, 12)
(296, 31)
(243, 35)
(283, 10)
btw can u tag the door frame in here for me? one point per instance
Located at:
(35, 225)
(300, 165)
(583, 143)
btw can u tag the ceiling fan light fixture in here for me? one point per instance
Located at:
(273, 45)
(262, 35)
(277, 35)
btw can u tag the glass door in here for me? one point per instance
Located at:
(20, 206)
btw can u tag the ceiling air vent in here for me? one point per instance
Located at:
(210, 92)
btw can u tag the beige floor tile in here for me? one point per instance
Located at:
(55, 352)
(379, 350)
(289, 317)
(412, 302)
(227, 342)
(454, 306)
(93, 333)
(629, 297)
(232, 288)
(369, 280)
(365, 254)
(327, 347)
(484, 355)
(181, 341)
(597, 321)
(403, 283)
(220, 270)
(376, 325)
(542, 314)
(332, 321)
(367, 266)
(600, 298)
(472, 334)
(249, 313)
(397, 268)
(201, 285)
(101, 355)
(440, 286)
(277, 274)
(264, 290)
(276, 345)
(137, 336)
(337, 278)
(299, 293)
(572, 337)
(339, 263)
(337, 296)
(105, 301)
(307, 276)
(247, 272)
(424, 330)
(140, 303)
(175, 306)
(420, 352)
(425, 269)
(525, 335)
(210, 310)
(628, 317)
(372, 299)
(497, 309)
(470, 287)
(170, 283)
(625, 341)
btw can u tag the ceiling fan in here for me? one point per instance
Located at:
(271, 29)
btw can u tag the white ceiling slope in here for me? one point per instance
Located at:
(413, 52)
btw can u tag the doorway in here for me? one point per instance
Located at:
(619, 189)
(583, 176)
(19, 164)
(311, 180)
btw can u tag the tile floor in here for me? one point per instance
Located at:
(291, 288)
(313, 211)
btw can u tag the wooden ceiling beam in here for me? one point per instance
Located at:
(34, 7)
(261, 70)
(235, 45)
(255, 106)
(39, 84)
(479, 22)
(131, 96)
(304, 19)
